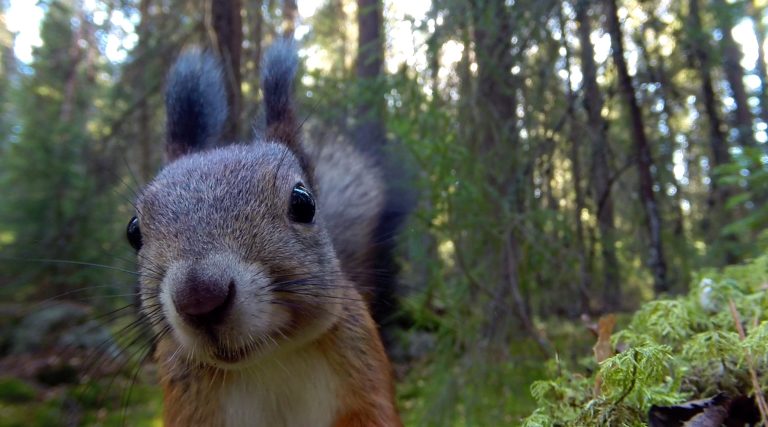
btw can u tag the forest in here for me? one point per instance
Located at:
(586, 183)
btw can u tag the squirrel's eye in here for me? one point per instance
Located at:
(302, 208)
(133, 232)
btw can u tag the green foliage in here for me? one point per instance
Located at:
(748, 173)
(58, 180)
(446, 390)
(19, 405)
(672, 350)
(35, 415)
(15, 390)
(104, 403)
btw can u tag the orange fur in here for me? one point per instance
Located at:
(187, 391)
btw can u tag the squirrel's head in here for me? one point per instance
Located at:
(235, 262)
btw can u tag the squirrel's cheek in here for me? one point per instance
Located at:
(260, 316)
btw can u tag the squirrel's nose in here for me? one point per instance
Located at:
(203, 302)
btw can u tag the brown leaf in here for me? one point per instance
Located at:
(717, 411)
(603, 348)
(696, 413)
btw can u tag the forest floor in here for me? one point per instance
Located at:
(41, 388)
(708, 344)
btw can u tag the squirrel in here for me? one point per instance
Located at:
(249, 258)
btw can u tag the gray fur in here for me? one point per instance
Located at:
(196, 103)
(278, 72)
(226, 210)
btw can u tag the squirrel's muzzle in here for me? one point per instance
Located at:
(204, 302)
(225, 310)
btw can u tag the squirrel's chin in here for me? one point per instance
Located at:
(227, 358)
(235, 357)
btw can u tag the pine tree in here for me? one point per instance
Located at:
(48, 190)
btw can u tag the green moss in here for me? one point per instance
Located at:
(673, 350)
(41, 414)
(14, 390)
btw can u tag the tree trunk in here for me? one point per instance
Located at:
(290, 12)
(252, 52)
(146, 149)
(496, 91)
(665, 124)
(228, 29)
(718, 144)
(369, 129)
(576, 136)
(656, 260)
(757, 17)
(601, 181)
(494, 139)
(734, 73)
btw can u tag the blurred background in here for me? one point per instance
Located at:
(565, 159)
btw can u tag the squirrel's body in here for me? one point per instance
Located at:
(258, 290)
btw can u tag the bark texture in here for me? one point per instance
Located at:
(601, 175)
(643, 159)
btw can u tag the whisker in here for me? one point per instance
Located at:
(152, 268)
(71, 292)
(308, 309)
(127, 399)
(98, 356)
(136, 194)
(69, 262)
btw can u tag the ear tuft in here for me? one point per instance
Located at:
(278, 72)
(196, 103)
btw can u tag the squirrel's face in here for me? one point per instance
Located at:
(235, 262)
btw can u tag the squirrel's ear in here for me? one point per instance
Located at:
(195, 102)
(278, 72)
